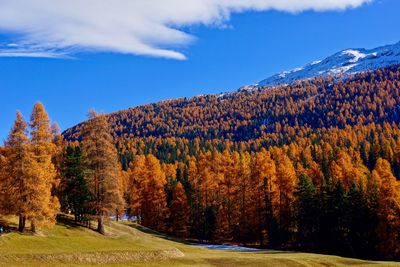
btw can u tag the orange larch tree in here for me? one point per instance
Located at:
(104, 169)
(43, 206)
(285, 183)
(147, 194)
(264, 191)
(179, 212)
(17, 172)
(388, 209)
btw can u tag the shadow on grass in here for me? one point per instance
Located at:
(6, 223)
(158, 234)
(70, 223)
(10, 226)
(196, 244)
(67, 222)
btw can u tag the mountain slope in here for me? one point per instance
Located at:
(247, 115)
(345, 62)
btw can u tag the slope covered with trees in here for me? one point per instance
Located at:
(312, 166)
(247, 115)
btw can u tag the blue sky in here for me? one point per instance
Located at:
(247, 47)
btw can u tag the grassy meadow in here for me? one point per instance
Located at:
(128, 244)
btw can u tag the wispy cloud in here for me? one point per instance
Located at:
(29, 54)
(33, 51)
(58, 28)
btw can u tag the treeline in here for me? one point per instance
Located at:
(34, 172)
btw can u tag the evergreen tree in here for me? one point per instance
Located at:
(331, 220)
(361, 224)
(74, 193)
(306, 213)
(59, 149)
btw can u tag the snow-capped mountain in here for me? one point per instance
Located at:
(348, 61)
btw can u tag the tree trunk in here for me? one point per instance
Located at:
(21, 223)
(262, 240)
(116, 215)
(33, 226)
(100, 225)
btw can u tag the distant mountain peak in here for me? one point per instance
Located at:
(345, 62)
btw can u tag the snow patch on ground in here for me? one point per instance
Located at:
(357, 55)
(315, 62)
(226, 247)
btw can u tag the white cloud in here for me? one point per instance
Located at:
(52, 28)
(30, 54)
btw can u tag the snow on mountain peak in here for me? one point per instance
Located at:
(357, 55)
(348, 61)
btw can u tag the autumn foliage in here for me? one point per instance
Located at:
(103, 169)
(29, 173)
(312, 166)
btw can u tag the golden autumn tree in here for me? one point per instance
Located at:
(147, 194)
(285, 184)
(347, 172)
(180, 212)
(43, 206)
(264, 191)
(104, 169)
(17, 172)
(210, 172)
(245, 199)
(3, 180)
(310, 167)
(134, 185)
(228, 187)
(197, 196)
(388, 209)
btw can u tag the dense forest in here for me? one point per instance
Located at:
(248, 115)
(312, 166)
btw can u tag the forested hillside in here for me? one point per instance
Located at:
(311, 166)
(254, 119)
